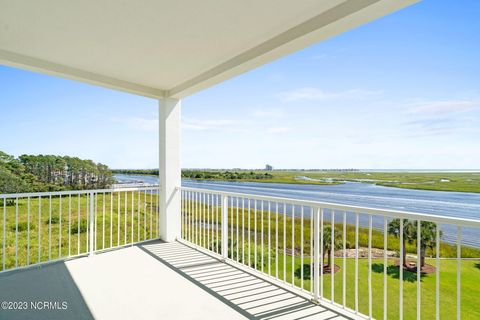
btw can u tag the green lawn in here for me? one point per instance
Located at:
(470, 290)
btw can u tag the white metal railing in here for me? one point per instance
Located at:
(38, 228)
(288, 239)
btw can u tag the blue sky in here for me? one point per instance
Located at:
(400, 92)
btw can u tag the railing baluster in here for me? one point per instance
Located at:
(91, 226)
(231, 228)
(316, 255)
(276, 240)
(321, 252)
(301, 246)
(224, 227)
(344, 271)
(88, 224)
(28, 230)
(78, 224)
(60, 228)
(103, 222)
(370, 227)
(312, 266)
(16, 232)
(69, 224)
(248, 235)
(151, 215)
(208, 220)
(4, 258)
(293, 245)
(50, 228)
(243, 230)
(269, 240)
(419, 268)
(356, 261)
(145, 211)
(284, 242)
(261, 234)
(95, 216)
(201, 222)
(133, 218)
(385, 261)
(238, 240)
(125, 219)
(118, 217)
(187, 215)
(39, 229)
(111, 219)
(255, 234)
(437, 272)
(401, 271)
(332, 253)
(158, 213)
(459, 272)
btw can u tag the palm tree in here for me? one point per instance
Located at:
(394, 229)
(427, 236)
(327, 243)
(427, 239)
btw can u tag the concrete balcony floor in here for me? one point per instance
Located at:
(154, 280)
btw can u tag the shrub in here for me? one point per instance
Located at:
(75, 228)
(22, 226)
(53, 220)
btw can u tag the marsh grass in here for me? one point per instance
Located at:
(118, 223)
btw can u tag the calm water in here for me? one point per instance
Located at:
(456, 204)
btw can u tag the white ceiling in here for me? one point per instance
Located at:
(169, 48)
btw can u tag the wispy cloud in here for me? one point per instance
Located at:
(210, 124)
(444, 107)
(316, 94)
(138, 123)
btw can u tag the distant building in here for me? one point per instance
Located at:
(268, 168)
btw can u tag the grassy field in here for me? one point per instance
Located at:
(128, 217)
(451, 181)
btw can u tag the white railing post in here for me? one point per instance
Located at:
(224, 227)
(91, 227)
(316, 256)
(169, 168)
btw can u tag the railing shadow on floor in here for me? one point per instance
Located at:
(42, 293)
(251, 296)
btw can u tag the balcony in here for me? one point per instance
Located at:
(238, 256)
(172, 252)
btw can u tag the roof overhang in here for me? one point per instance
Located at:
(169, 48)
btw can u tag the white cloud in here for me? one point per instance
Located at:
(200, 124)
(267, 113)
(444, 107)
(315, 94)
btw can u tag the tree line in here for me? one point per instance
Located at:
(38, 173)
(205, 175)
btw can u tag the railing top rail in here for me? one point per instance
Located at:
(76, 192)
(358, 209)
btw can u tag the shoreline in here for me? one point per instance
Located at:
(421, 187)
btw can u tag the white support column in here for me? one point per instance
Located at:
(169, 168)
